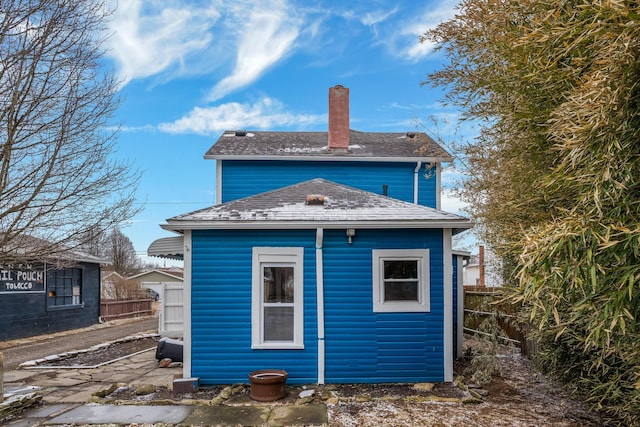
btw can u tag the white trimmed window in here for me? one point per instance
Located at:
(277, 298)
(401, 280)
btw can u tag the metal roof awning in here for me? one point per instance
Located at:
(167, 247)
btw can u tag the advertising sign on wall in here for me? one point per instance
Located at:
(22, 278)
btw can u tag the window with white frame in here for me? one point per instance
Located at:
(400, 280)
(277, 298)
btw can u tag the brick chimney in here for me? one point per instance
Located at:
(338, 117)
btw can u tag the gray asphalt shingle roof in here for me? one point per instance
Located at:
(287, 208)
(302, 145)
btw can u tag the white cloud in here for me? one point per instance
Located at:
(267, 113)
(452, 203)
(375, 17)
(174, 38)
(405, 41)
(265, 37)
(149, 38)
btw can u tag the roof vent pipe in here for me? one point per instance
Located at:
(338, 117)
(315, 200)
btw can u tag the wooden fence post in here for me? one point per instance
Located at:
(481, 281)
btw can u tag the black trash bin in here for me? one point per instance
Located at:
(169, 349)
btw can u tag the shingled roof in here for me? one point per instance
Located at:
(317, 203)
(366, 146)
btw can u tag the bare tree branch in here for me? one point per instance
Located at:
(58, 177)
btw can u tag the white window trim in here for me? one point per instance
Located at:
(423, 303)
(270, 255)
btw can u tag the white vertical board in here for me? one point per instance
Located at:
(171, 318)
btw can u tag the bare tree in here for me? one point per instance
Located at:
(94, 242)
(121, 252)
(58, 177)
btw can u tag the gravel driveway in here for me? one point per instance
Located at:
(18, 351)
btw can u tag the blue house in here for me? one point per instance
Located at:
(326, 255)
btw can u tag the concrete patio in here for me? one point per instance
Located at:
(68, 397)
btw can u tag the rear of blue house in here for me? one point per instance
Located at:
(360, 345)
(326, 255)
(244, 178)
(364, 346)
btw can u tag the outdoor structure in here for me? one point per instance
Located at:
(482, 270)
(44, 297)
(168, 284)
(326, 256)
(108, 282)
(158, 275)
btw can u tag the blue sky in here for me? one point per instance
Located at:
(191, 69)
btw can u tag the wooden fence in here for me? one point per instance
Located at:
(479, 306)
(114, 309)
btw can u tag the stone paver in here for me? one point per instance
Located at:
(82, 395)
(299, 415)
(249, 416)
(15, 376)
(157, 380)
(59, 381)
(50, 410)
(25, 422)
(110, 377)
(126, 414)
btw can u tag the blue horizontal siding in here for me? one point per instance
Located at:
(363, 346)
(246, 178)
(221, 307)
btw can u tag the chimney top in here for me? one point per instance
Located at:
(338, 117)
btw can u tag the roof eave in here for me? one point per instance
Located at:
(328, 158)
(179, 226)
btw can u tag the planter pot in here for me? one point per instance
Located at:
(268, 385)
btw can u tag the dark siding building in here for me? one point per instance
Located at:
(39, 298)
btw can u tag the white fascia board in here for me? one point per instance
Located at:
(448, 305)
(186, 307)
(218, 184)
(460, 252)
(333, 158)
(273, 225)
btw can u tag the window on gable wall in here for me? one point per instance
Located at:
(64, 287)
(277, 298)
(400, 280)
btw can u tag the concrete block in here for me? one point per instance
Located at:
(186, 385)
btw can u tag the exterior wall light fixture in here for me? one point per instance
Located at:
(350, 233)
